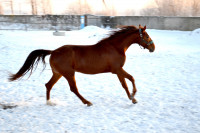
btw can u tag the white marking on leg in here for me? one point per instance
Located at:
(131, 97)
(50, 103)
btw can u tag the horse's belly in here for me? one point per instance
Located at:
(92, 69)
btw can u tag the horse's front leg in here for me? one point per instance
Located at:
(122, 75)
(124, 85)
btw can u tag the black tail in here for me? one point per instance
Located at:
(31, 61)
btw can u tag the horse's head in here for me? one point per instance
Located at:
(145, 40)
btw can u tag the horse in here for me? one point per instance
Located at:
(107, 55)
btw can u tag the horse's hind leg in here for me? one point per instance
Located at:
(72, 83)
(49, 85)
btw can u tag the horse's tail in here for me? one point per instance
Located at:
(31, 61)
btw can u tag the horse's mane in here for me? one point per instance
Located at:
(117, 33)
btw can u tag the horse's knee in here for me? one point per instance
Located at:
(132, 79)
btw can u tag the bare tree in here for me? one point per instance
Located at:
(34, 7)
(86, 8)
(74, 8)
(160, 8)
(10, 4)
(130, 12)
(103, 1)
(1, 9)
(149, 12)
(176, 7)
(195, 7)
(79, 7)
(169, 7)
(46, 6)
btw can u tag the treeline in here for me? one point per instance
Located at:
(172, 8)
(77, 7)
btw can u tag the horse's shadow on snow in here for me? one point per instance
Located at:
(6, 106)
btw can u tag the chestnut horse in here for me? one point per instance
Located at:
(108, 55)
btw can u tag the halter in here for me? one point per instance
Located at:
(142, 39)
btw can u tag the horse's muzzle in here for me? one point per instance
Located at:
(151, 49)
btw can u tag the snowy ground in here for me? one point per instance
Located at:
(168, 83)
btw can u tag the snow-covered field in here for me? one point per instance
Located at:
(168, 83)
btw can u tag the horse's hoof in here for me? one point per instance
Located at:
(89, 104)
(50, 103)
(134, 101)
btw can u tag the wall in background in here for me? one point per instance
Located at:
(74, 22)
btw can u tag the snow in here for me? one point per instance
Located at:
(167, 80)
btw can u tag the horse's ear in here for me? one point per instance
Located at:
(145, 27)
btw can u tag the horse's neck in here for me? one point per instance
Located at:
(124, 42)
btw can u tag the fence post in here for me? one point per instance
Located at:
(82, 21)
(85, 20)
